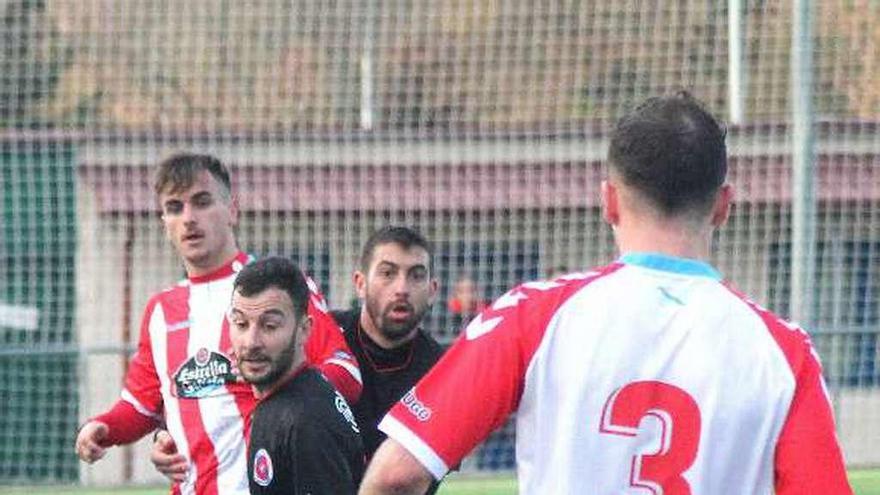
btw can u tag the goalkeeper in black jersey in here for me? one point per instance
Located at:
(304, 438)
(396, 286)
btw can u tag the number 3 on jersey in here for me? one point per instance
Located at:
(679, 419)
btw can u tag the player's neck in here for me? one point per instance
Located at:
(670, 238)
(213, 263)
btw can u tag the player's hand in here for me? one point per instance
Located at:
(166, 459)
(89, 441)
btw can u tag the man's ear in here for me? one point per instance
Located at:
(610, 203)
(360, 284)
(721, 208)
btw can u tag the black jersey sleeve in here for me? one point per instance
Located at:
(325, 463)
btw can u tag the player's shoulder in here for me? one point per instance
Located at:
(426, 351)
(552, 292)
(294, 399)
(793, 341)
(173, 294)
(531, 305)
(309, 386)
(317, 404)
(427, 344)
(346, 319)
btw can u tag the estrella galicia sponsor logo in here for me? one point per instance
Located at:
(345, 411)
(203, 374)
(263, 472)
(415, 406)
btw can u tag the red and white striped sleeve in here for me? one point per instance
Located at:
(808, 457)
(328, 351)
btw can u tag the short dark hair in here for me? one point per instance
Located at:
(277, 272)
(673, 151)
(405, 237)
(178, 172)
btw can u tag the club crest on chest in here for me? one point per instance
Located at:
(263, 472)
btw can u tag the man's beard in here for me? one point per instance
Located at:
(390, 328)
(277, 368)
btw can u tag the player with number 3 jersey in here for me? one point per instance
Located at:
(651, 375)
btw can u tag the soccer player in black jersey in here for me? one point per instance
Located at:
(396, 286)
(303, 439)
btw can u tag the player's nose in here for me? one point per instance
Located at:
(248, 340)
(187, 214)
(401, 286)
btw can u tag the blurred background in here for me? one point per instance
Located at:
(483, 123)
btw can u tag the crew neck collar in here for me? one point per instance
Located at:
(673, 264)
(232, 266)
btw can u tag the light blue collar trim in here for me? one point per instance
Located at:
(666, 263)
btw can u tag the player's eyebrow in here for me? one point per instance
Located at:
(201, 195)
(273, 312)
(198, 195)
(417, 270)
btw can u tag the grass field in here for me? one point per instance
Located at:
(864, 482)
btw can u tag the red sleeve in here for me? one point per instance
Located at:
(327, 350)
(808, 457)
(469, 393)
(478, 383)
(139, 410)
(125, 424)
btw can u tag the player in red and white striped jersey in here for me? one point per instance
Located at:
(650, 375)
(182, 374)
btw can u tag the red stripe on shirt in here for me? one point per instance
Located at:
(201, 449)
(326, 346)
(241, 391)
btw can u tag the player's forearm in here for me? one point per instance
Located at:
(373, 485)
(125, 424)
(394, 471)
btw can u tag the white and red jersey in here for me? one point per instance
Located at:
(649, 375)
(182, 376)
